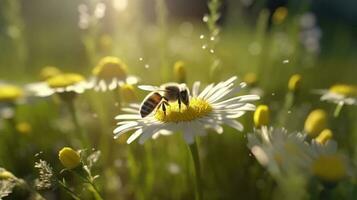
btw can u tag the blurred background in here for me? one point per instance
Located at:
(268, 39)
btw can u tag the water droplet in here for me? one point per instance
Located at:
(289, 112)
(147, 66)
(286, 61)
(273, 94)
(212, 38)
(202, 36)
(205, 18)
(141, 59)
(204, 46)
(211, 50)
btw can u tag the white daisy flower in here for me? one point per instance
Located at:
(340, 94)
(327, 164)
(111, 73)
(279, 150)
(10, 96)
(282, 152)
(62, 84)
(215, 106)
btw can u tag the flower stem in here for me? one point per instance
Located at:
(197, 165)
(338, 109)
(92, 187)
(69, 191)
(83, 138)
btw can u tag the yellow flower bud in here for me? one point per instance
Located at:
(49, 72)
(315, 122)
(345, 90)
(330, 168)
(10, 93)
(5, 175)
(279, 15)
(127, 93)
(324, 136)
(109, 68)
(294, 82)
(69, 158)
(250, 79)
(261, 116)
(64, 80)
(24, 128)
(180, 72)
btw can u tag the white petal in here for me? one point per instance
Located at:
(147, 133)
(195, 88)
(113, 84)
(127, 116)
(234, 124)
(205, 91)
(135, 135)
(124, 128)
(132, 80)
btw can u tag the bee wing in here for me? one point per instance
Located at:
(150, 88)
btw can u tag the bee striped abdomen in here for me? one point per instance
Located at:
(150, 103)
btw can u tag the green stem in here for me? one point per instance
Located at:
(82, 136)
(93, 188)
(338, 109)
(69, 191)
(197, 165)
(31, 189)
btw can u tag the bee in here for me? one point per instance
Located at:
(161, 96)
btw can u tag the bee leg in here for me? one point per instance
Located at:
(179, 103)
(163, 106)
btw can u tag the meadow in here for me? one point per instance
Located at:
(263, 104)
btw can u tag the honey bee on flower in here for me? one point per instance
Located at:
(214, 106)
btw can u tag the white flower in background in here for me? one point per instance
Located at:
(279, 150)
(327, 164)
(282, 153)
(110, 73)
(215, 106)
(340, 94)
(10, 96)
(61, 84)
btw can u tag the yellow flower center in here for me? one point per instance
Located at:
(261, 116)
(109, 68)
(345, 90)
(49, 72)
(10, 93)
(197, 109)
(279, 15)
(329, 168)
(250, 78)
(69, 158)
(315, 122)
(24, 128)
(64, 80)
(294, 82)
(324, 136)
